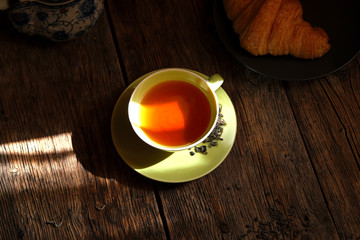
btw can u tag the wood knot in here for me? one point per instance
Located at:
(224, 228)
(3, 116)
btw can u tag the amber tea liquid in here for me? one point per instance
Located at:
(175, 113)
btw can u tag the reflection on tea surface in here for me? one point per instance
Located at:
(175, 113)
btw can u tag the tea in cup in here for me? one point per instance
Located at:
(174, 109)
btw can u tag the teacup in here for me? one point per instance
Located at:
(174, 109)
(57, 20)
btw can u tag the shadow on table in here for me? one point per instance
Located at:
(49, 89)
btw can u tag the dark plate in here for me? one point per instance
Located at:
(341, 21)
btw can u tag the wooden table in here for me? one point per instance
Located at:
(293, 172)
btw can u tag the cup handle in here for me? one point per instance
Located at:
(215, 81)
(4, 4)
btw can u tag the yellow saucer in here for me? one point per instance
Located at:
(166, 166)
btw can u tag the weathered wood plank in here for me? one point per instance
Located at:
(328, 115)
(154, 35)
(57, 160)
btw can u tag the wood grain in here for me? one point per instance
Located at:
(57, 161)
(331, 134)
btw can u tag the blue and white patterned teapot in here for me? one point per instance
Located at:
(57, 20)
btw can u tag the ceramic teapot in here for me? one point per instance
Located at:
(57, 20)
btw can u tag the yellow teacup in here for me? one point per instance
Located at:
(174, 109)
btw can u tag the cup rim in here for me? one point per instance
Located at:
(152, 143)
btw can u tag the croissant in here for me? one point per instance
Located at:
(276, 27)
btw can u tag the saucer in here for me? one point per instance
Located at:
(170, 167)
